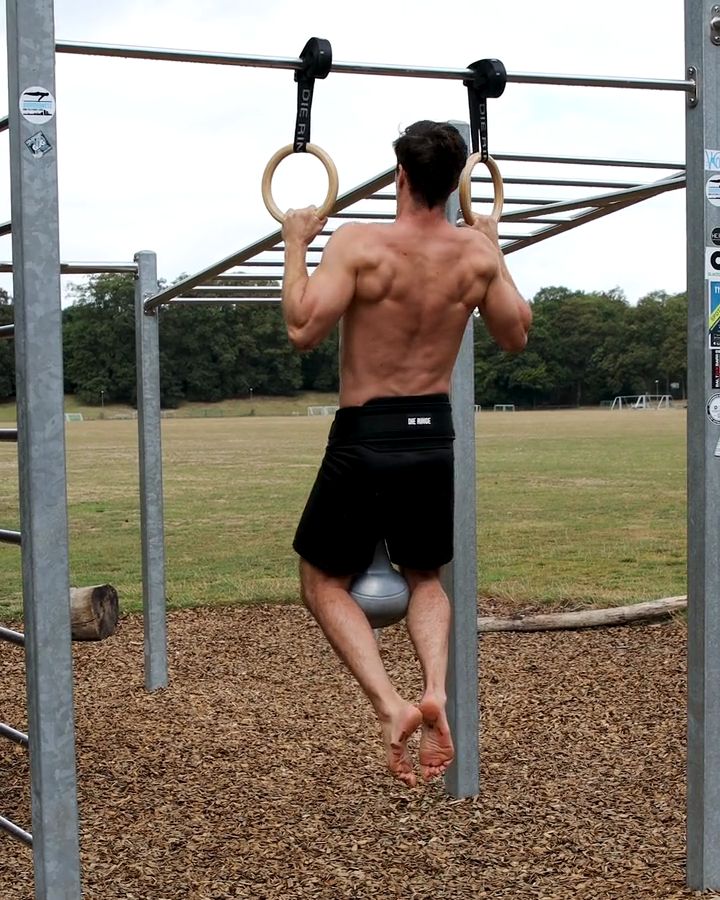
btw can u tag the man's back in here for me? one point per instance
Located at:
(417, 283)
(403, 293)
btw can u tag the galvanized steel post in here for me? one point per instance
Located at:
(703, 222)
(147, 352)
(41, 447)
(460, 576)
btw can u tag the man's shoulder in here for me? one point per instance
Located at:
(356, 236)
(355, 229)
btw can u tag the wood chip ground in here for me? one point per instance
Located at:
(258, 773)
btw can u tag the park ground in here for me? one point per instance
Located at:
(258, 772)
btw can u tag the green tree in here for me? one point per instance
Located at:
(99, 340)
(319, 367)
(7, 349)
(199, 353)
(575, 332)
(213, 352)
(271, 365)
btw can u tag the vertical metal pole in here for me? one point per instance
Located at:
(147, 352)
(703, 423)
(41, 447)
(460, 577)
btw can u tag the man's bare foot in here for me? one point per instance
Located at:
(436, 746)
(396, 731)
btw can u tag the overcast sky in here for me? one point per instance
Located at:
(169, 156)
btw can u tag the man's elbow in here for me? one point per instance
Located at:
(301, 339)
(517, 338)
(515, 341)
(514, 345)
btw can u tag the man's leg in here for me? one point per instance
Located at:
(348, 631)
(428, 624)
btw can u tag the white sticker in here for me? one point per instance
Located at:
(712, 262)
(712, 190)
(712, 160)
(37, 104)
(713, 408)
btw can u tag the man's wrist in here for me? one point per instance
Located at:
(296, 242)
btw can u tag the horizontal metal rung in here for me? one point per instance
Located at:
(272, 264)
(362, 68)
(9, 537)
(14, 637)
(540, 182)
(82, 268)
(8, 434)
(239, 278)
(219, 301)
(281, 249)
(588, 161)
(7, 331)
(12, 734)
(16, 831)
(230, 290)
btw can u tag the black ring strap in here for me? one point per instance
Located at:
(489, 80)
(316, 56)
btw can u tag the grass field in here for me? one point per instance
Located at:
(574, 507)
(238, 406)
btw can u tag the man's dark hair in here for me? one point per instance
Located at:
(433, 155)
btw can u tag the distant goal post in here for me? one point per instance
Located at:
(322, 410)
(504, 407)
(642, 401)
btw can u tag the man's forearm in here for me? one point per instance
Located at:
(295, 279)
(523, 306)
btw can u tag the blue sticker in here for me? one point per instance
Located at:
(712, 160)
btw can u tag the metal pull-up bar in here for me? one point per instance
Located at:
(350, 68)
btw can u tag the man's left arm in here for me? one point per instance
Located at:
(313, 305)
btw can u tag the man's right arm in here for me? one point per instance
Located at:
(506, 314)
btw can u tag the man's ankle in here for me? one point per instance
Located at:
(436, 698)
(389, 707)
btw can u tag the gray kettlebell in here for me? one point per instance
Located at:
(381, 591)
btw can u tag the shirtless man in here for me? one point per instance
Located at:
(403, 294)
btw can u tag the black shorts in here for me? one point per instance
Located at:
(387, 473)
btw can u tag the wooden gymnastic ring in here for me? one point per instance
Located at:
(466, 183)
(277, 158)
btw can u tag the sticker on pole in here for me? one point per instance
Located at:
(38, 145)
(714, 311)
(712, 262)
(37, 104)
(712, 160)
(713, 408)
(712, 190)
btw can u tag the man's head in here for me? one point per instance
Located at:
(432, 155)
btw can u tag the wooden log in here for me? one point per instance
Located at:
(586, 618)
(93, 612)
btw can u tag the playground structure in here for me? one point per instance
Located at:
(36, 276)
